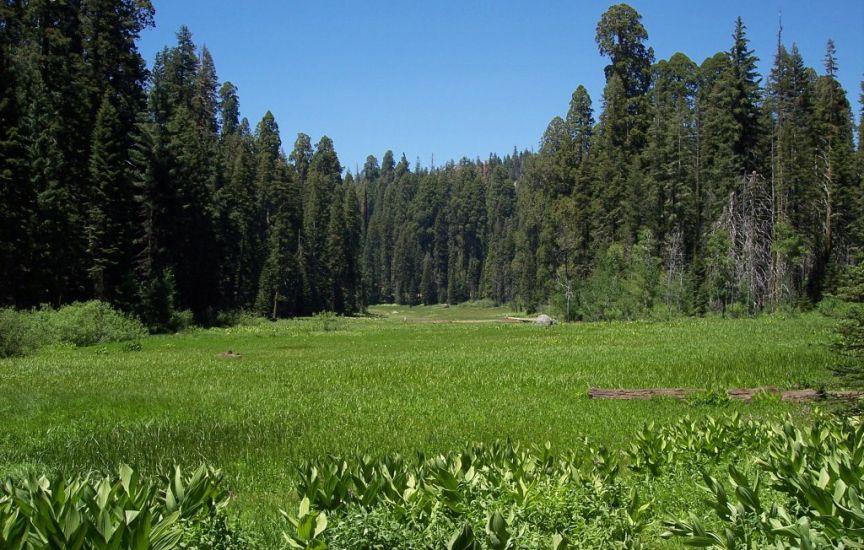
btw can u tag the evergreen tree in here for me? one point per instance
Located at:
(323, 177)
(238, 205)
(612, 210)
(621, 36)
(229, 109)
(835, 178)
(790, 97)
(280, 279)
(111, 214)
(743, 80)
(671, 154)
(18, 215)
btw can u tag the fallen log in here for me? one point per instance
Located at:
(739, 394)
(645, 393)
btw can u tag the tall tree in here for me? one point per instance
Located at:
(112, 210)
(323, 177)
(18, 215)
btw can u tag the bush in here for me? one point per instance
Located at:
(850, 331)
(77, 324)
(239, 318)
(180, 320)
(125, 511)
(16, 334)
(327, 321)
(833, 307)
(94, 322)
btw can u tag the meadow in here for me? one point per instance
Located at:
(400, 380)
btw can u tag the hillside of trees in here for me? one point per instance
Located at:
(687, 188)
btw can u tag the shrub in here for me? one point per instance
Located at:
(850, 332)
(327, 321)
(77, 324)
(16, 334)
(239, 318)
(119, 512)
(180, 320)
(93, 322)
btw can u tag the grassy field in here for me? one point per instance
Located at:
(442, 313)
(389, 382)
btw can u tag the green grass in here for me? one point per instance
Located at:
(377, 385)
(442, 313)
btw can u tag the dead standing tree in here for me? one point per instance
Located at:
(748, 219)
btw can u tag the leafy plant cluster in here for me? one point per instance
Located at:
(820, 473)
(503, 495)
(77, 324)
(789, 486)
(500, 495)
(125, 511)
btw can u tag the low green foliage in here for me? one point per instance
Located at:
(790, 485)
(17, 336)
(77, 324)
(327, 321)
(817, 475)
(503, 495)
(109, 513)
(89, 323)
(850, 333)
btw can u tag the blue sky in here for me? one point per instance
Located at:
(462, 77)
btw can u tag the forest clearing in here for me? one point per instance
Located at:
(302, 390)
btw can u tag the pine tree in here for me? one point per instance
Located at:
(835, 184)
(611, 210)
(743, 80)
(324, 176)
(352, 283)
(111, 213)
(280, 279)
(790, 99)
(229, 109)
(621, 36)
(240, 236)
(18, 215)
(671, 153)
(580, 122)
(59, 128)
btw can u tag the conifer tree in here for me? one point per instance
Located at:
(324, 176)
(836, 192)
(280, 279)
(112, 211)
(18, 215)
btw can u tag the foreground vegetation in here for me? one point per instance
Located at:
(499, 496)
(300, 390)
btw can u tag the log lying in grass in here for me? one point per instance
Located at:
(740, 394)
(542, 320)
(646, 393)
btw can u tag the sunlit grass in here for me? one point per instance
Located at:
(375, 386)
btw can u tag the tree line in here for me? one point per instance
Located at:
(695, 188)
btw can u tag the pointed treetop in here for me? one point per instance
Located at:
(553, 137)
(387, 163)
(267, 134)
(229, 108)
(831, 59)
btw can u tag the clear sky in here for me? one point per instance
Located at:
(463, 77)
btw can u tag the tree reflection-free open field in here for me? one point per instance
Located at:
(375, 385)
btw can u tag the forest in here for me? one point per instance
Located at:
(687, 188)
